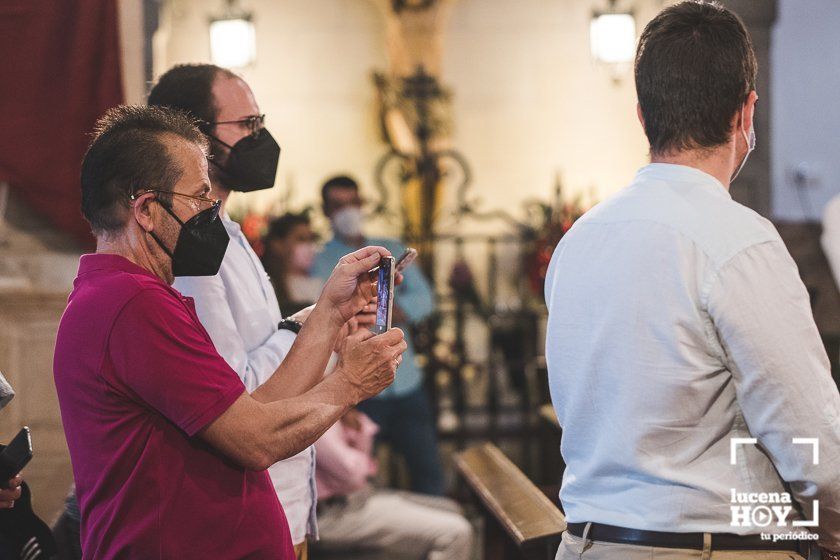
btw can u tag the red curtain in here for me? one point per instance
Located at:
(60, 69)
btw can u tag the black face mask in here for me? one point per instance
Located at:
(201, 244)
(252, 162)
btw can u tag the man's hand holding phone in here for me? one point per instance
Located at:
(353, 294)
(369, 362)
(349, 287)
(366, 318)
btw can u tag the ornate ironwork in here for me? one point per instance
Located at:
(428, 166)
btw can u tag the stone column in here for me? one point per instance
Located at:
(753, 186)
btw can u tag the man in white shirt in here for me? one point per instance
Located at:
(685, 367)
(238, 306)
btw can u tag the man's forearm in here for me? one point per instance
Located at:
(304, 365)
(291, 425)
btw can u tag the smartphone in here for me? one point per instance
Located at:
(406, 259)
(15, 456)
(384, 295)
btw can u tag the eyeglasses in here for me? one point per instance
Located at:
(214, 203)
(254, 123)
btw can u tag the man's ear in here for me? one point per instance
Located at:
(745, 117)
(143, 213)
(639, 115)
(749, 110)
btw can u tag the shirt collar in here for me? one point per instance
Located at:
(109, 261)
(670, 172)
(233, 228)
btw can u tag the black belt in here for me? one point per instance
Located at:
(720, 541)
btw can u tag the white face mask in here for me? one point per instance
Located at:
(303, 255)
(750, 140)
(347, 222)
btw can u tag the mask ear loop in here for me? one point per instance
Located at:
(222, 142)
(749, 149)
(225, 176)
(157, 239)
(205, 127)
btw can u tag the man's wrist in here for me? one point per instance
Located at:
(335, 319)
(352, 390)
(325, 313)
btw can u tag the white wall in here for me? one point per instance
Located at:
(311, 78)
(528, 100)
(806, 104)
(130, 13)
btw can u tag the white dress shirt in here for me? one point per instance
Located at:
(239, 310)
(677, 321)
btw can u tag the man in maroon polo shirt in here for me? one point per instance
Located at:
(169, 451)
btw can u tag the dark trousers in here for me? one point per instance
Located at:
(407, 424)
(67, 531)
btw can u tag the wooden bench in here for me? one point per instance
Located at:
(520, 521)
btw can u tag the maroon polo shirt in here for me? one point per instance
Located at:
(137, 378)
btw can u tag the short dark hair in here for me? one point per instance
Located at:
(189, 88)
(338, 182)
(695, 67)
(280, 228)
(129, 153)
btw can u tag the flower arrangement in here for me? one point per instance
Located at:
(548, 222)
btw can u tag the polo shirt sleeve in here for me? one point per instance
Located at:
(163, 358)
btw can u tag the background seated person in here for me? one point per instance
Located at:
(22, 533)
(289, 254)
(357, 521)
(403, 410)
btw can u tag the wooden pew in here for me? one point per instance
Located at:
(520, 522)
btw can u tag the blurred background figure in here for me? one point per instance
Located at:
(402, 410)
(357, 521)
(67, 529)
(22, 534)
(831, 236)
(830, 240)
(290, 250)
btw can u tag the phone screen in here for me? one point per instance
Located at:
(385, 295)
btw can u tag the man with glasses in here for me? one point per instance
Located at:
(238, 306)
(168, 446)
